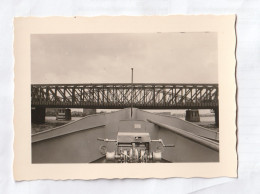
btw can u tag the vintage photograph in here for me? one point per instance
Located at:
(124, 97)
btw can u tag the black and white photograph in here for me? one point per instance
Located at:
(129, 97)
(125, 98)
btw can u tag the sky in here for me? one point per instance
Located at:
(108, 58)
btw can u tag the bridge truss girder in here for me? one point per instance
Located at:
(116, 96)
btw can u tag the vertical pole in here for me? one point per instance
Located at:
(132, 77)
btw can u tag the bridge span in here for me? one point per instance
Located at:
(123, 95)
(117, 96)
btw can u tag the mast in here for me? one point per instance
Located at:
(132, 79)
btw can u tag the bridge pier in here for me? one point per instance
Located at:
(67, 114)
(216, 116)
(192, 115)
(38, 115)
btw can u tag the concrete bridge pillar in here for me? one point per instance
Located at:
(216, 116)
(67, 114)
(192, 115)
(38, 115)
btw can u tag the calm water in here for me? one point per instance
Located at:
(204, 119)
(49, 118)
(51, 122)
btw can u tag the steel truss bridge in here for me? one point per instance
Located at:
(117, 96)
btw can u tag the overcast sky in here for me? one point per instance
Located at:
(108, 58)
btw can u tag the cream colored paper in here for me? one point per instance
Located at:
(223, 25)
